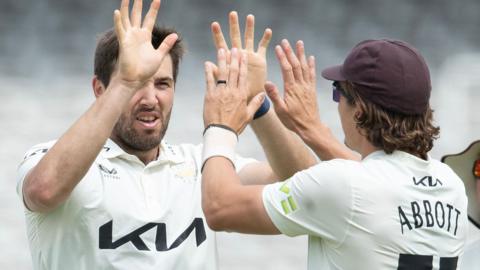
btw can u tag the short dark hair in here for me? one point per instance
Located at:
(389, 130)
(107, 50)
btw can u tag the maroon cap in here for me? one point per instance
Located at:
(389, 73)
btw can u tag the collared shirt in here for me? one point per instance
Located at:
(126, 215)
(386, 212)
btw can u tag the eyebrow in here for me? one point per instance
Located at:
(165, 78)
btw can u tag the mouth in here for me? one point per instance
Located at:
(148, 121)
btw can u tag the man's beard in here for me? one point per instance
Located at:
(129, 137)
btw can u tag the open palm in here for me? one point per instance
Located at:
(138, 59)
(257, 61)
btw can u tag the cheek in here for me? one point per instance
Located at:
(165, 99)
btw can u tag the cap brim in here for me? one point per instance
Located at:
(334, 73)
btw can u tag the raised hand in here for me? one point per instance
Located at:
(257, 62)
(138, 59)
(298, 109)
(226, 97)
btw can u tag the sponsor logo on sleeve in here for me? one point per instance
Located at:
(289, 205)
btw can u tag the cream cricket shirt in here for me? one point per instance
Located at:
(387, 212)
(125, 215)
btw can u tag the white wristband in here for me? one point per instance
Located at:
(219, 141)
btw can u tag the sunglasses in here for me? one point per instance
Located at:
(339, 91)
(476, 169)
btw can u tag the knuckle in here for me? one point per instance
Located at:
(296, 65)
(287, 67)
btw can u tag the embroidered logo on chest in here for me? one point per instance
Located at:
(185, 171)
(108, 173)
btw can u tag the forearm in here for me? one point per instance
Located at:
(230, 206)
(321, 140)
(52, 180)
(285, 151)
(218, 178)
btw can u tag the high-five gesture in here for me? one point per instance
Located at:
(138, 59)
(226, 98)
(298, 109)
(257, 62)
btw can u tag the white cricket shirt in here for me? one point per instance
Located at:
(386, 212)
(125, 215)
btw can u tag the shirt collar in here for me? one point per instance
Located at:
(168, 153)
(401, 155)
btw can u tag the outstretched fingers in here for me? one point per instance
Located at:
(292, 59)
(233, 69)
(119, 30)
(274, 95)
(136, 16)
(303, 60)
(263, 44)
(312, 69)
(222, 65)
(218, 38)
(124, 14)
(151, 15)
(242, 79)
(287, 70)
(166, 45)
(235, 30)
(250, 33)
(209, 77)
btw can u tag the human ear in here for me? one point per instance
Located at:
(98, 87)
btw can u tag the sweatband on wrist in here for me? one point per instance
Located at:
(263, 109)
(220, 126)
(219, 141)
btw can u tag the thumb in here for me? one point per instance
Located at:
(167, 44)
(274, 95)
(255, 104)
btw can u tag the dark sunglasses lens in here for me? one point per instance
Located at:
(476, 168)
(336, 95)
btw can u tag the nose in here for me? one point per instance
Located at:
(148, 96)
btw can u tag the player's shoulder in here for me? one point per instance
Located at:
(183, 150)
(340, 165)
(444, 171)
(336, 170)
(38, 149)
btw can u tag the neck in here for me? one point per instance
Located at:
(366, 148)
(146, 156)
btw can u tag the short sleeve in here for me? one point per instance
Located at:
(241, 162)
(30, 160)
(315, 202)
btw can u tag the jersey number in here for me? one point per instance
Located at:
(423, 262)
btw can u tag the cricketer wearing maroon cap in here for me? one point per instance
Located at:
(389, 73)
(396, 208)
